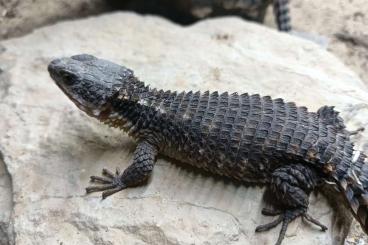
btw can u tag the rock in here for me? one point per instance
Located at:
(20, 17)
(6, 206)
(343, 23)
(50, 148)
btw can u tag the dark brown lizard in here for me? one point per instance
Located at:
(245, 137)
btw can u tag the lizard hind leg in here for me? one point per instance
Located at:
(291, 185)
(135, 174)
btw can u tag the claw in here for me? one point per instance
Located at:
(270, 212)
(269, 226)
(97, 179)
(357, 131)
(107, 173)
(109, 184)
(361, 129)
(284, 227)
(314, 221)
(285, 218)
(118, 171)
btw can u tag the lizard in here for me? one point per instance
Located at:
(247, 138)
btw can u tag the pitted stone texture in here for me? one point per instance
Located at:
(51, 148)
(6, 206)
(18, 17)
(342, 23)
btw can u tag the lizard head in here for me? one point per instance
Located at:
(89, 82)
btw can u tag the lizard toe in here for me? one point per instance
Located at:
(101, 180)
(107, 173)
(270, 212)
(109, 184)
(285, 218)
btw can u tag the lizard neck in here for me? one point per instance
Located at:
(134, 108)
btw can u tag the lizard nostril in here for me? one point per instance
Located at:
(52, 67)
(61, 72)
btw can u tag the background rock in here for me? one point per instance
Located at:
(50, 148)
(343, 22)
(18, 17)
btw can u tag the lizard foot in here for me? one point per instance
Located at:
(285, 218)
(109, 184)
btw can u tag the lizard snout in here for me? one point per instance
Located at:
(60, 72)
(56, 67)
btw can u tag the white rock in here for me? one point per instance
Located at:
(21, 17)
(50, 148)
(5, 206)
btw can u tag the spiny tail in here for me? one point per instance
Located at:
(282, 14)
(354, 185)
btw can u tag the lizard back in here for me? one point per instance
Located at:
(246, 137)
(241, 136)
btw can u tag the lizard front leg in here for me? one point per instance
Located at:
(136, 174)
(291, 185)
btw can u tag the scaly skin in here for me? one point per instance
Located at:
(248, 138)
(282, 15)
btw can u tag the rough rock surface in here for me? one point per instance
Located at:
(5, 205)
(343, 22)
(50, 148)
(18, 17)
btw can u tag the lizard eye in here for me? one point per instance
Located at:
(69, 78)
